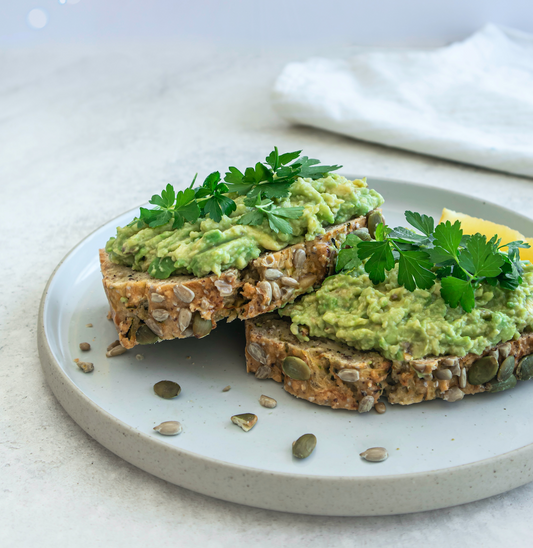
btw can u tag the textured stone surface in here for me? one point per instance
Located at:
(86, 134)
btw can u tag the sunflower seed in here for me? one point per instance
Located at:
(160, 315)
(183, 293)
(276, 291)
(184, 318)
(366, 404)
(145, 335)
(257, 352)
(375, 454)
(154, 326)
(296, 368)
(86, 367)
(200, 327)
(444, 374)
(226, 388)
(287, 281)
(348, 375)
(453, 394)
(269, 260)
(167, 389)
(169, 428)
(268, 402)
(224, 288)
(265, 290)
(307, 281)
(299, 258)
(116, 351)
(263, 372)
(113, 344)
(246, 421)
(483, 370)
(505, 350)
(273, 274)
(449, 362)
(304, 446)
(380, 407)
(462, 378)
(156, 298)
(85, 346)
(506, 369)
(286, 293)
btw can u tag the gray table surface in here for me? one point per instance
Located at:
(88, 133)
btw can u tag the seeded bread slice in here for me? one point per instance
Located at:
(145, 309)
(331, 366)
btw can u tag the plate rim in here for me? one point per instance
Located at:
(63, 384)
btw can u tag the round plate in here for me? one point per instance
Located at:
(441, 454)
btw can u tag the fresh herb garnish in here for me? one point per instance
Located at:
(461, 262)
(265, 209)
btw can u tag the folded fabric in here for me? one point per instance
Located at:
(471, 101)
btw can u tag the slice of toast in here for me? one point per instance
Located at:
(269, 341)
(145, 309)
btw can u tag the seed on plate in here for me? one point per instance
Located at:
(304, 446)
(375, 454)
(380, 407)
(263, 372)
(183, 293)
(139, 357)
(510, 382)
(169, 428)
(348, 375)
(506, 369)
(272, 274)
(157, 298)
(113, 344)
(266, 401)
(296, 368)
(524, 371)
(200, 327)
(167, 389)
(483, 370)
(287, 281)
(226, 388)
(184, 318)
(86, 367)
(443, 374)
(116, 351)
(160, 315)
(299, 258)
(89, 325)
(366, 404)
(257, 352)
(85, 346)
(246, 421)
(145, 335)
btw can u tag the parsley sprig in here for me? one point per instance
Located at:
(265, 209)
(461, 262)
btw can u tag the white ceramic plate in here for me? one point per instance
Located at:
(441, 454)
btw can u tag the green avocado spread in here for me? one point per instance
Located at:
(207, 246)
(401, 324)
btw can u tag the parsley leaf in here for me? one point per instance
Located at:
(415, 270)
(423, 223)
(380, 258)
(480, 257)
(455, 291)
(347, 258)
(275, 216)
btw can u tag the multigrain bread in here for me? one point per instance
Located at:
(368, 375)
(145, 309)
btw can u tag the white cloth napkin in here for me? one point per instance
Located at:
(471, 101)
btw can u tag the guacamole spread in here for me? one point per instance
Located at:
(207, 246)
(401, 324)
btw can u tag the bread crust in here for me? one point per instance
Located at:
(403, 383)
(135, 296)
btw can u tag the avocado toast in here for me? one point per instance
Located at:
(232, 249)
(391, 328)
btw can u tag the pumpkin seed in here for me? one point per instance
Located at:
(304, 446)
(363, 234)
(296, 368)
(184, 318)
(348, 375)
(444, 374)
(167, 389)
(145, 335)
(299, 258)
(272, 274)
(263, 372)
(375, 454)
(226, 388)
(184, 294)
(366, 404)
(483, 370)
(510, 382)
(224, 288)
(506, 369)
(200, 327)
(169, 428)
(524, 371)
(453, 394)
(268, 402)
(380, 407)
(287, 281)
(257, 352)
(116, 351)
(246, 421)
(160, 315)
(85, 346)
(373, 220)
(86, 367)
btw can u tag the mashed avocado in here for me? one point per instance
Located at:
(401, 324)
(207, 246)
